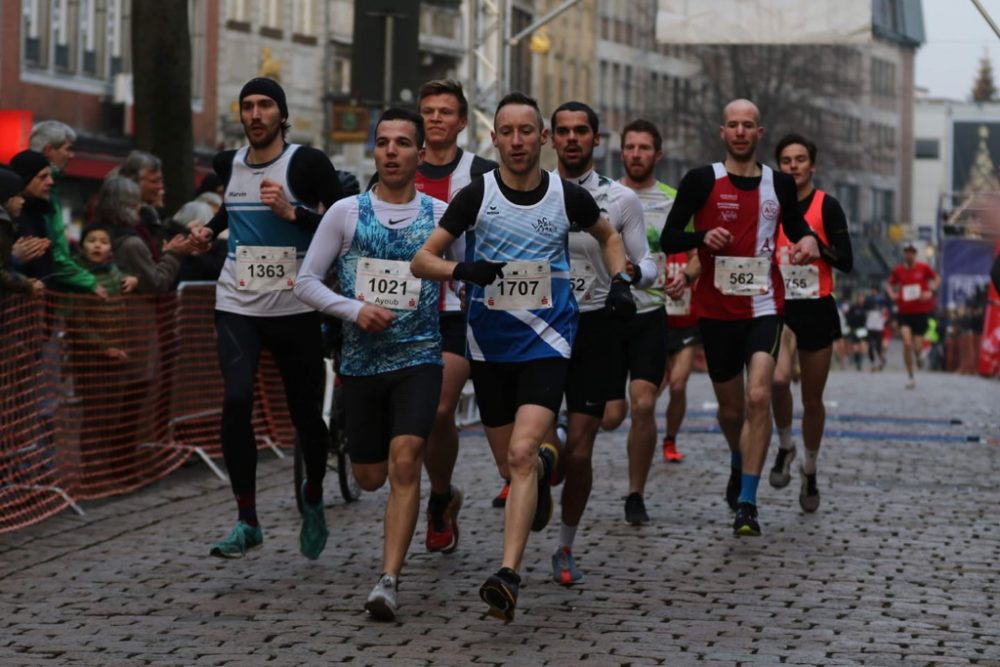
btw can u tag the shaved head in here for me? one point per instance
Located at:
(740, 105)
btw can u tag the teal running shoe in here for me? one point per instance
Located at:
(313, 534)
(242, 539)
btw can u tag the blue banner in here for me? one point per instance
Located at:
(965, 268)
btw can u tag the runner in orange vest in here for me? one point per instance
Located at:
(811, 319)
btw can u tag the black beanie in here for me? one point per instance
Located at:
(267, 87)
(10, 184)
(27, 164)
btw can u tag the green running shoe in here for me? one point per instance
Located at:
(242, 539)
(313, 534)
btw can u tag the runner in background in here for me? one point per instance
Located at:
(912, 286)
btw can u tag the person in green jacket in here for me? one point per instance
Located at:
(54, 140)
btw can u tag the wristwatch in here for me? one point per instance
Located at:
(621, 275)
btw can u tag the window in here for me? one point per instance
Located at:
(270, 19)
(927, 149)
(196, 26)
(114, 37)
(34, 42)
(882, 206)
(847, 195)
(61, 38)
(238, 15)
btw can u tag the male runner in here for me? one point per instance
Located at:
(521, 327)
(445, 170)
(737, 206)
(912, 286)
(272, 192)
(812, 322)
(642, 149)
(593, 376)
(391, 356)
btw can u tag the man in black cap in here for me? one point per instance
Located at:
(275, 193)
(36, 183)
(11, 203)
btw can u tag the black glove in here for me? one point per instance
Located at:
(481, 272)
(638, 274)
(620, 303)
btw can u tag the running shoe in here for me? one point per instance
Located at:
(500, 593)
(442, 527)
(501, 499)
(313, 533)
(382, 603)
(543, 510)
(733, 487)
(809, 492)
(242, 539)
(635, 510)
(746, 521)
(911, 384)
(564, 569)
(781, 472)
(670, 453)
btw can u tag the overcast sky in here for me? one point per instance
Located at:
(957, 37)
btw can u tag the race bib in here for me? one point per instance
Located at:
(801, 282)
(581, 277)
(681, 306)
(261, 268)
(742, 276)
(524, 286)
(661, 270)
(387, 283)
(911, 292)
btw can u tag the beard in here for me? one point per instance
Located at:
(268, 138)
(639, 172)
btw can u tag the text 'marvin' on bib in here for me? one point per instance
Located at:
(911, 292)
(742, 276)
(524, 286)
(387, 283)
(581, 277)
(261, 268)
(801, 282)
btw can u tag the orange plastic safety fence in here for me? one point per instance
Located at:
(99, 398)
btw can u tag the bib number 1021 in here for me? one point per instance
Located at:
(387, 286)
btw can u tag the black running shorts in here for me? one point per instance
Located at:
(590, 380)
(814, 322)
(380, 407)
(503, 387)
(729, 344)
(641, 352)
(918, 322)
(452, 325)
(678, 339)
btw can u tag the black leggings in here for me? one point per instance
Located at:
(296, 344)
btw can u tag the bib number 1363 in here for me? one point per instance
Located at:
(265, 268)
(742, 276)
(524, 286)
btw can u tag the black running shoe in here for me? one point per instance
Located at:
(734, 487)
(809, 493)
(501, 498)
(746, 521)
(781, 472)
(635, 510)
(500, 593)
(543, 510)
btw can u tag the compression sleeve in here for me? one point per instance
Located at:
(838, 254)
(692, 193)
(313, 179)
(332, 239)
(222, 163)
(581, 208)
(634, 236)
(792, 222)
(463, 209)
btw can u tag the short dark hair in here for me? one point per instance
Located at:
(396, 113)
(95, 227)
(795, 138)
(517, 97)
(577, 106)
(643, 125)
(445, 87)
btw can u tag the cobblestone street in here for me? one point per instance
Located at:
(898, 567)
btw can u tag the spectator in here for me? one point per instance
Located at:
(11, 202)
(36, 180)
(55, 140)
(212, 199)
(118, 207)
(199, 265)
(146, 170)
(103, 324)
(857, 334)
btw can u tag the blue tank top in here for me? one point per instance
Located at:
(507, 232)
(413, 338)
